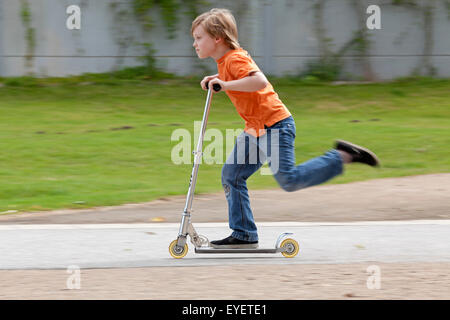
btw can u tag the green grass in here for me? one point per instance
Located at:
(64, 143)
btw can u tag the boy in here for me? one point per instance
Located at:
(266, 119)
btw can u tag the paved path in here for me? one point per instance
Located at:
(145, 245)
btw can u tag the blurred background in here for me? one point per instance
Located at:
(89, 102)
(329, 39)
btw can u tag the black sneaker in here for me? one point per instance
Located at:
(358, 153)
(233, 243)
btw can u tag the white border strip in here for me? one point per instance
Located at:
(214, 225)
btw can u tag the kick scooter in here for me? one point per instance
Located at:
(178, 248)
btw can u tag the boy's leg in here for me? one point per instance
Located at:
(281, 156)
(243, 161)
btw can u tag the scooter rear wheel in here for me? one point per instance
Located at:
(176, 251)
(291, 246)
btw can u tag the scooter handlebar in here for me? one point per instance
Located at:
(216, 87)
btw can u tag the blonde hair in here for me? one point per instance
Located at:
(219, 23)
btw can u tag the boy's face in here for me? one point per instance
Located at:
(204, 44)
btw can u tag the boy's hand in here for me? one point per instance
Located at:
(220, 82)
(207, 79)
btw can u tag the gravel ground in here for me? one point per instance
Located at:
(341, 281)
(408, 198)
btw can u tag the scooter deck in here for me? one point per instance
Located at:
(256, 250)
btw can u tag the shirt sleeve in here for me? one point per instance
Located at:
(240, 66)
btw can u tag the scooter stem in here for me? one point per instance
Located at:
(197, 157)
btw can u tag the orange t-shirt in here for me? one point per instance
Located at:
(258, 108)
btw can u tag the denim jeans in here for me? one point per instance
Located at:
(276, 147)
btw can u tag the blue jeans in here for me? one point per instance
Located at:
(276, 147)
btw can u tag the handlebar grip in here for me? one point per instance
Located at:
(216, 87)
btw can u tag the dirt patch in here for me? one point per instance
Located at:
(342, 281)
(414, 197)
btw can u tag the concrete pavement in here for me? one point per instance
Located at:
(146, 245)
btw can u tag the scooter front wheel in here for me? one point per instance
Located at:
(291, 246)
(176, 251)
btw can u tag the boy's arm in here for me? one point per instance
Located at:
(254, 82)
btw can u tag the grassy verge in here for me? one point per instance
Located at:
(94, 140)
